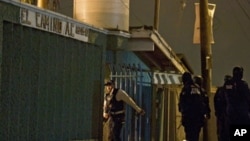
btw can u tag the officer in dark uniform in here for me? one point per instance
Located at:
(220, 110)
(199, 80)
(113, 109)
(237, 98)
(192, 107)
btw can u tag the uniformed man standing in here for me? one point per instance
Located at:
(220, 111)
(237, 98)
(192, 108)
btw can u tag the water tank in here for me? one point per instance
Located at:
(43, 4)
(48, 4)
(109, 14)
(33, 2)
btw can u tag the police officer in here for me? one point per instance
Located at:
(237, 98)
(191, 106)
(199, 80)
(114, 109)
(220, 111)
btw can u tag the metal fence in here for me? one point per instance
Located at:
(130, 78)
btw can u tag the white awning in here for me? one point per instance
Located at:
(166, 78)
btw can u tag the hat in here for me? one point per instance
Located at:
(110, 82)
(227, 77)
(237, 73)
(198, 79)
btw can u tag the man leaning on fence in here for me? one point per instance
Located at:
(113, 109)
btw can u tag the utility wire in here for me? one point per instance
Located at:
(132, 13)
(237, 17)
(243, 8)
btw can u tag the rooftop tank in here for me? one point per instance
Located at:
(48, 4)
(109, 14)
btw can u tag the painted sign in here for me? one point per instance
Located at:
(53, 23)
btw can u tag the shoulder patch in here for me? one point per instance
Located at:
(195, 90)
(229, 87)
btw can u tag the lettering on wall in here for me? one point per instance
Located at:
(50, 23)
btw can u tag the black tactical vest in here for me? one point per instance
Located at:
(112, 104)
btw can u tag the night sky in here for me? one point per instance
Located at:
(176, 25)
(231, 32)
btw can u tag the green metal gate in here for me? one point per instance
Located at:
(50, 86)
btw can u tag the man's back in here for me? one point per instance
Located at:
(238, 101)
(220, 102)
(191, 103)
(237, 94)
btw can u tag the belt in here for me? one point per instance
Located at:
(118, 112)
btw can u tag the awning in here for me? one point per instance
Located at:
(166, 78)
(154, 51)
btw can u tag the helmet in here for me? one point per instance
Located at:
(238, 73)
(227, 77)
(186, 77)
(198, 80)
